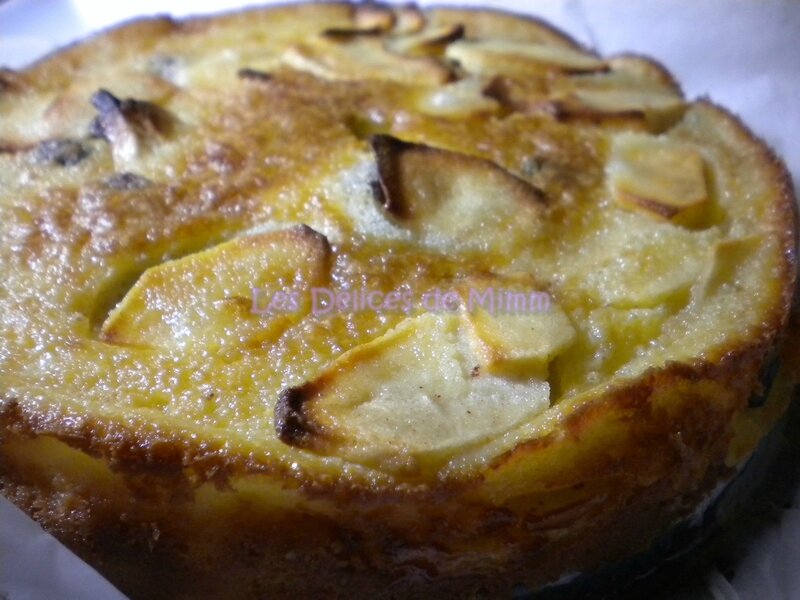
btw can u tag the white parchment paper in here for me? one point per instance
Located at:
(34, 566)
(744, 54)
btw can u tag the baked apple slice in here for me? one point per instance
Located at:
(632, 88)
(357, 55)
(516, 344)
(459, 99)
(431, 41)
(520, 59)
(446, 197)
(422, 391)
(661, 178)
(244, 291)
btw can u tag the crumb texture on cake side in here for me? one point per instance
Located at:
(180, 405)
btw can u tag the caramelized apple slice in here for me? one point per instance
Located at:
(418, 391)
(240, 292)
(633, 92)
(520, 59)
(521, 342)
(363, 57)
(452, 198)
(428, 42)
(659, 108)
(660, 178)
(459, 99)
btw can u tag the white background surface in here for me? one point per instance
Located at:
(744, 54)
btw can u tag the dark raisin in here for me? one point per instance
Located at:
(96, 129)
(64, 153)
(127, 181)
(105, 102)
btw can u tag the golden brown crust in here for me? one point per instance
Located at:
(243, 566)
(139, 34)
(785, 220)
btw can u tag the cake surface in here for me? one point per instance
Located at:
(336, 299)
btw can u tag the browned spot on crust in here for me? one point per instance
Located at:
(10, 80)
(388, 151)
(344, 35)
(662, 210)
(575, 111)
(254, 75)
(316, 237)
(292, 425)
(14, 147)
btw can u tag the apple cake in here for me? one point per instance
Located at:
(337, 300)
